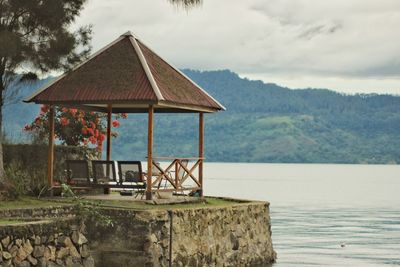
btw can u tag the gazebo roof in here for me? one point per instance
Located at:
(129, 76)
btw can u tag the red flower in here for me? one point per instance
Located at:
(96, 133)
(92, 140)
(27, 127)
(124, 115)
(84, 131)
(64, 110)
(73, 111)
(90, 131)
(44, 109)
(93, 125)
(115, 123)
(102, 137)
(37, 120)
(64, 121)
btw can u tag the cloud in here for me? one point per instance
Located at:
(352, 39)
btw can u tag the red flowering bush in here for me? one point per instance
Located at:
(74, 127)
(115, 123)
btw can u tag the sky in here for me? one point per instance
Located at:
(350, 46)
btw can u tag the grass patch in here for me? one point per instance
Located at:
(28, 202)
(209, 202)
(138, 205)
(7, 222)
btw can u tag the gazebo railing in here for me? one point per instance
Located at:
(181, 174)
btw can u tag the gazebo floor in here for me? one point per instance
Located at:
(157, 199)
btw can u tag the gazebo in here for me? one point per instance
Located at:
(126, 76)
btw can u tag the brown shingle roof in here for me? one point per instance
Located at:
(128, 75)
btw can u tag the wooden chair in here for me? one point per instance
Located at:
(130, 171)
(177, 174)
(181, 172)
(131, 176)
(104, 172)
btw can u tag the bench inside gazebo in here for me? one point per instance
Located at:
(128, 77)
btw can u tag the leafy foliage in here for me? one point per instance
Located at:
(91, 211)
(19, 163)
(186, 3)
(25, 182)
(36, 37)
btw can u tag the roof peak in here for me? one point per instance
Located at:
(127, 34)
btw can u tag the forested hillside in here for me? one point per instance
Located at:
(263, 123)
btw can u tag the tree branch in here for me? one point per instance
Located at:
(29, 32)
(15, 17)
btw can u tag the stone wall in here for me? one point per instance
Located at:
(44, 243)
(237, 235)
(234, 235)
(55, 211)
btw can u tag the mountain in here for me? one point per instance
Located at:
(16, 113)
(263, 123)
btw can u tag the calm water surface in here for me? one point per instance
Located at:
(315, 208)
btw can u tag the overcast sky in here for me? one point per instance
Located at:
(346, 45)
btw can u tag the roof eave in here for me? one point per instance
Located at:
(194, 108)
(130, 105)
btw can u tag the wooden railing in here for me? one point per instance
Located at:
(182, 174)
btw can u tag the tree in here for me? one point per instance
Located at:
(35, 38)
(186, 3)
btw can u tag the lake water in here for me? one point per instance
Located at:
(316, 208)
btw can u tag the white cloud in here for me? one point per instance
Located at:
(286, 41)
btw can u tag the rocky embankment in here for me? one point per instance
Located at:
(237, 234)
(44, 244)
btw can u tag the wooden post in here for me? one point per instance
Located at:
(50, 161)
(108, 152)
(109, 113)
(150, 151)
(201, 149)
(177, 166)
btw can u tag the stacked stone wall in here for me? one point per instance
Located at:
(44, 243)
(232, 235)
(235, 235)
(64, 211)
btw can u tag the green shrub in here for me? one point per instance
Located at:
(25, 182)
(34, 156)
(7, 191)
(92, 211)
